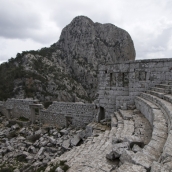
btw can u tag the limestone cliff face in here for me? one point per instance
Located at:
(67, 70)
(86, 44)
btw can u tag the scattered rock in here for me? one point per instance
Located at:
(136, 148)
(63, 132)
(89, 131)
(66, 144)
(119, 148)
(75, 140)
(58, 169)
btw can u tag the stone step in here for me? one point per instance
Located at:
(167, 147)
(91, 156)
(142, 159)
(168, 97)
(142, 127)
(114, 121)
(158, 121)
(128, 128)
(118, 117)
(128, 167)
(119, 130)
(151, 152)
(155, 93)
(165, 86)
(126, 114)
(145, 108)
(167, 82)
(164, 105)
(120, 125)
(161, 90)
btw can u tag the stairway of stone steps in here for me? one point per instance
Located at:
(163, 100)
(91, 155)
(131, 124)
(149, 123)
(156, 105)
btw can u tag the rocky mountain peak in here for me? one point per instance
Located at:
(67, 70)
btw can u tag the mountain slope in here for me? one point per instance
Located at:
(67, 70)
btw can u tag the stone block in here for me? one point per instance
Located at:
(119, 148)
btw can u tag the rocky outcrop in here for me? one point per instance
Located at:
(86, 44)
(67, 70)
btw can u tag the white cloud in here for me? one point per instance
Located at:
(10, 47)
(30, 24)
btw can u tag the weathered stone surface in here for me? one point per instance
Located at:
(126, 114)
(110, 155)
(94, 43)
(66, 144)
(89, 131)
(136, 148)
(156, 167)
(58, 169)
(142, 159)
(126, 156)
(118, 148)
(134, 140)
(127, 167)
(75, 140)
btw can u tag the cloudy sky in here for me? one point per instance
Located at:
(33, 24)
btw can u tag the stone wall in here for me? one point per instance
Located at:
(59, 113)
(119, 83)
(14, 108)
(66, 113)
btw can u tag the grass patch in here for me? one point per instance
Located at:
(3, 168)
(65, 167)
(1, 114)
(33, 138)
(21, 158)
(12, 135)
(22, 118)
(62, 165)
(11, 122)
(40, 169)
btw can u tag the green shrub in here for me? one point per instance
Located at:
(33, 138)
(12, 135)
(21, 158)
(7, 169)
(22, 118)
(65, 167)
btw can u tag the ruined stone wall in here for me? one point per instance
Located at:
(119, 83)
(62, 113)
(18, 107)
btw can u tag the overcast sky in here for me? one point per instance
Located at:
(33, 24)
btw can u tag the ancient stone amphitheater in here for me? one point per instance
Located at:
(140, 139)
(137, 98)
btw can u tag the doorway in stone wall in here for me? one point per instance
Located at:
(68, 121)
(101, 115)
